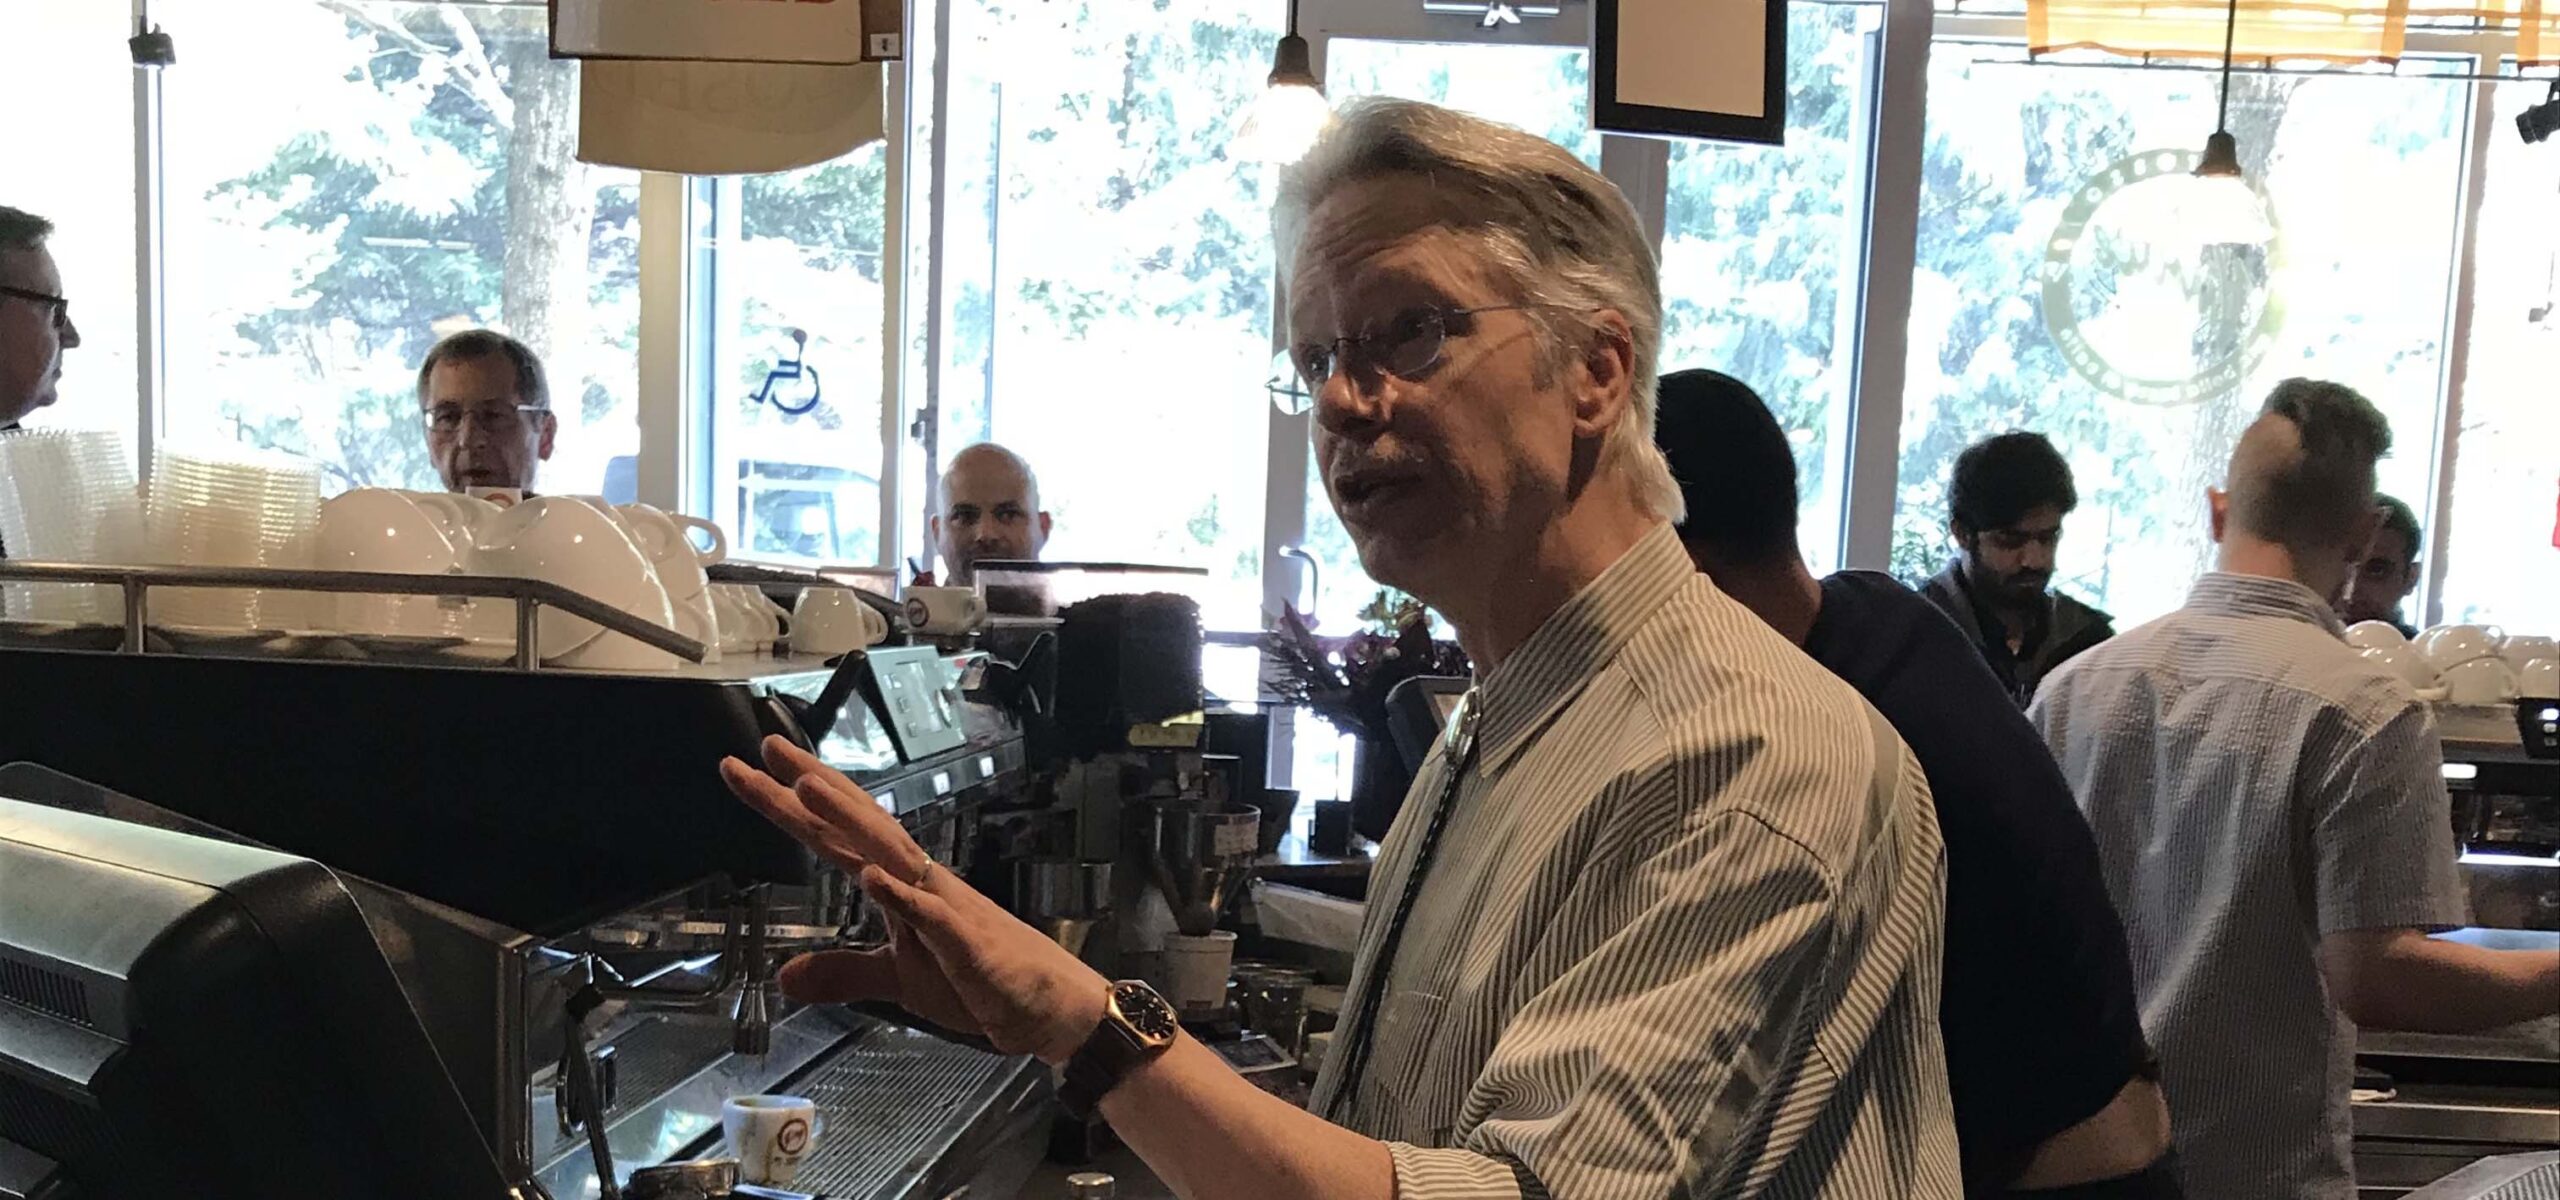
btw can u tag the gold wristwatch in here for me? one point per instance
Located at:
(1137, 1027)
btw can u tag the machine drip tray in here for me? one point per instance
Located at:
(901, 1109)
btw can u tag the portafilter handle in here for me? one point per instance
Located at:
(820, 715)
(752, 1021)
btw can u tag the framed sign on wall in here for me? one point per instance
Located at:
(1690, 68)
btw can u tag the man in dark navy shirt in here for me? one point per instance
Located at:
(2045, 1056)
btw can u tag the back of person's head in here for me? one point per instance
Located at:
(2000, 479)
(1734, 465)
(22, 230)
(532, 389)
(2302, 476)
(2399, 518)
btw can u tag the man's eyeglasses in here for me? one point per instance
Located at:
(61, 305)
(1408, 344)
(496, 418)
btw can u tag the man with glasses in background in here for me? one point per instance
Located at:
(2005, 507)
(487, 410)
(35, 318)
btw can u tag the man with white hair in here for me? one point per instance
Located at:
(1661, 917)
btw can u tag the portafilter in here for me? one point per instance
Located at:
(1063, 897)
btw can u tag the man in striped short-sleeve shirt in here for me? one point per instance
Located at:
(1662, 917)
(2272, 821)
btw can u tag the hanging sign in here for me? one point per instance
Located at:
(1690, 69)
(824, 32)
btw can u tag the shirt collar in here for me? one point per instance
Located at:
(1576, 641)
(2221, 593)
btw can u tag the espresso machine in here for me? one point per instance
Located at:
(2428, 1106)
(585, 923)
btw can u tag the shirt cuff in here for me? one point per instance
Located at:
(1424, 1174)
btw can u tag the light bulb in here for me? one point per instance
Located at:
(2222, 210)
(1284, 122)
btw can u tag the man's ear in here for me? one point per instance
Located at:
(2218, 511)
(1045, 524)
(1604, 386)
(550, 433)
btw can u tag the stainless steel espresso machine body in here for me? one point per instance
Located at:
(2431, 1104)
(586, 923)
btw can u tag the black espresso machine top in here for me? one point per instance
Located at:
(538, 799)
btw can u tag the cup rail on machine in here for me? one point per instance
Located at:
(528, 596)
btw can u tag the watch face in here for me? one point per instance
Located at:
(1146, 1013)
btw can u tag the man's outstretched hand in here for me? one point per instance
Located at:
(954, 957)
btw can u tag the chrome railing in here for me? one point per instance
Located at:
(528, 596)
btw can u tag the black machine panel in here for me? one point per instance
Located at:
(541, 800)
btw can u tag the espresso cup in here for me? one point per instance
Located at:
(769, 1135)
(833, 621)
(943, 610)
(2480, 681)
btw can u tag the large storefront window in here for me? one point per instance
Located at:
(796, 357)
(2042, 226)
(2503, 559)
(1106, 274)
(1760, 255)
(348, 181)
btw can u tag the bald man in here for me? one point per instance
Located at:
(2271, 819)
(990, 510)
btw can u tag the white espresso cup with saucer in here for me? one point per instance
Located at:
(380, 530)
(769, 1135)
(944, 611)
(835, 620)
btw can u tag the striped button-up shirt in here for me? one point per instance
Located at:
(1679, 937)
(2253, 785)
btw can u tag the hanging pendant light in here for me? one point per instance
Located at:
(1292, 110)
(2219, 207)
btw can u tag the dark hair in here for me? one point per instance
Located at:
(2398, 518)
(2313, 497)
(1999, 480)
(1735, 467)
(489, 343)
(22, 230)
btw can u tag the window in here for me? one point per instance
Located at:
(2503, 548)
(65, 73)
(796, 300)
(2040, 226)
(347, 182)
(1106, 274)
(1761, 251)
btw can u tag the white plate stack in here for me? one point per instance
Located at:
(67, 496)
(228, 512)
